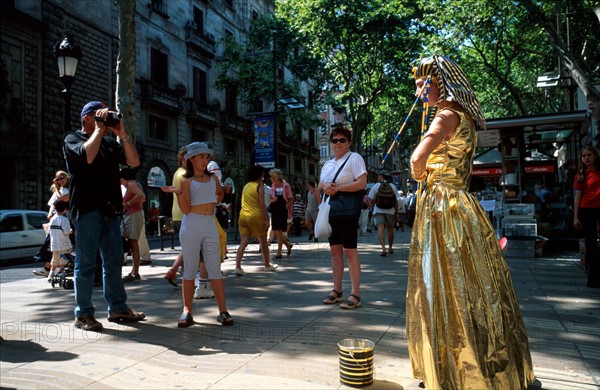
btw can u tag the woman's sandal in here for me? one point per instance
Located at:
(333, 297)
(348, 304)
(289, 250)
(225, 319)
(171, 277)
(186, 320)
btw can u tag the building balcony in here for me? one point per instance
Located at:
(233, 122)
(198, 41)
(200, 112)
(160, 97)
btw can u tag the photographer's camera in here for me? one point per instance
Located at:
(112, 119)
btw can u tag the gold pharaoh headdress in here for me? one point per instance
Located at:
(452, 82)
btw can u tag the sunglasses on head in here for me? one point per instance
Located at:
(340, 140)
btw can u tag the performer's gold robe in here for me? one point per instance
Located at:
(464, 325)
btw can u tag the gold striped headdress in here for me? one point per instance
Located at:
(452, 82)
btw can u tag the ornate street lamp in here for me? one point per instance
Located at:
(67, 55)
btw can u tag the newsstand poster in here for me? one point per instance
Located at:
(264, 135)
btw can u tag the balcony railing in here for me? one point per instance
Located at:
(198, 40)
(197, 110)
(160, 96)
(233, 122)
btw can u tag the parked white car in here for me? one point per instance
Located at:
(21, 233)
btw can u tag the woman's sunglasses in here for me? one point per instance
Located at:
(340, 140)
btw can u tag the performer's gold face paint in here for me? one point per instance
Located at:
(433, 94)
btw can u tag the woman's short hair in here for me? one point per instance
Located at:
(275, 172)
(341, 130)
(254, 173)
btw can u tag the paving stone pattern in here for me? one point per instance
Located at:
(283, 336)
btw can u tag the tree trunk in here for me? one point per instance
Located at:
(126, 66)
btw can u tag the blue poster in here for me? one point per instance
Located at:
(264, 134)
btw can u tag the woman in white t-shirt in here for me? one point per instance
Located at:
(344, 228)
(59, 189)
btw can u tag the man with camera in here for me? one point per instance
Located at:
(93, 156)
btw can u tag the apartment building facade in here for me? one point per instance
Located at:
(179, 47)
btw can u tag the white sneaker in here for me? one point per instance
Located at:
(272, 267)
(40, 272)
(204, 291)
(50, 276)
(239, 271)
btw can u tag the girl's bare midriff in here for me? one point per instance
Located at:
(203, 209)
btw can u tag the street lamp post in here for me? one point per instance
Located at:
(67, 55)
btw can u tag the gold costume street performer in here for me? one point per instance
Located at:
(463, 321)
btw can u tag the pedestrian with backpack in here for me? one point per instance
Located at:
(384, 197)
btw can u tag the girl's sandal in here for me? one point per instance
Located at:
(171, 277)
(186, 320)
(225, 319)
(348, 304)
(333, 297)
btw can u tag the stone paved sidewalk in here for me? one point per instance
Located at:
(283, 336)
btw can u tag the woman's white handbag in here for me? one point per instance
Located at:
(322, 226)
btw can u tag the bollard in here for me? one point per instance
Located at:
(162, 248)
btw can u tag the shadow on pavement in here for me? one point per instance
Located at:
(17, 351)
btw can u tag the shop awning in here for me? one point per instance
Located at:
(536, 129)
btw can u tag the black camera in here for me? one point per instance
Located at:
(112, 119)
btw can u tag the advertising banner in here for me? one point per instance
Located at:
(156, 177)
(264, 136)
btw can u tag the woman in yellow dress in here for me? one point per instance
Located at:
(463, 321)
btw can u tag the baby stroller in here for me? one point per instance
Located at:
(64, 279)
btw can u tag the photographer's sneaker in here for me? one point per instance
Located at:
(204, 291)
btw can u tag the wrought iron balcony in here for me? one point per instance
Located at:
(199, 41)
(158, 96)
(233, 122)
(200, 111)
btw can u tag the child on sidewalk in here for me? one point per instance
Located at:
(59, 237)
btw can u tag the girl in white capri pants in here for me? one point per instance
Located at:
(199, 193)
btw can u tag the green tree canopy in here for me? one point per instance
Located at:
(366, 46)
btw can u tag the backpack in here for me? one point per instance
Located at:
(385, 198)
